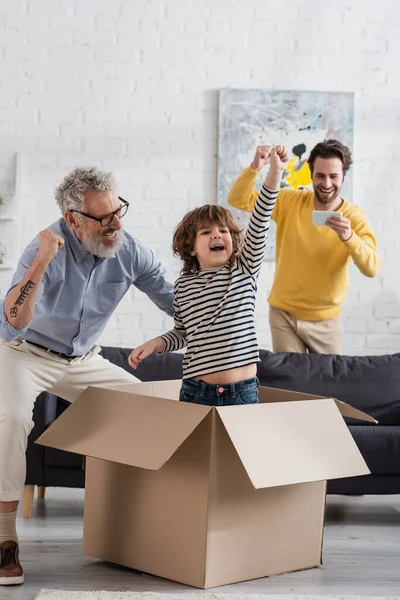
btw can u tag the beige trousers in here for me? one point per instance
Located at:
(295, 335)
(25, 371)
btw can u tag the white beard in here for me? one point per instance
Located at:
(96, 246)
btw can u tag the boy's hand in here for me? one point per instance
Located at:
(143, 351)
(279, 157)
(261, 157)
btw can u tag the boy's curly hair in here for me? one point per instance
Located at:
(331, 149)
(200, 218)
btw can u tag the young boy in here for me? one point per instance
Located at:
(215, 299)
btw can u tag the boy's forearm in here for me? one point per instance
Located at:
(19, 305)
(159, 345)
(173, 340)
(273, 178)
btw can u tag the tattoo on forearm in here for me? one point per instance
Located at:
(22, 297)
(24, 292)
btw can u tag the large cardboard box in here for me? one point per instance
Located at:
(204, 495)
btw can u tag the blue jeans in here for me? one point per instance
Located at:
(200, 392)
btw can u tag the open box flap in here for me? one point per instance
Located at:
(268, 395)
(292, 442)
(127, 428)
(161, 389)
(349, 411)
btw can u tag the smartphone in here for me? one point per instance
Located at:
(319, 217)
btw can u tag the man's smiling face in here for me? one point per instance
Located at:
(327, 180)
(96, 239)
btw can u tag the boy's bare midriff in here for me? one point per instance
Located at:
(230, 375)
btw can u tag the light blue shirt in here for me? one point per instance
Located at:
(79, 292)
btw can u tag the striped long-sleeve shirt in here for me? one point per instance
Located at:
(214, 308)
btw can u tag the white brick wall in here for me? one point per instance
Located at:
(132, 86)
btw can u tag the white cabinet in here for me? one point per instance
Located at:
(9, 230)
(10, 226)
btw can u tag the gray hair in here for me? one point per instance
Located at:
(71, 191)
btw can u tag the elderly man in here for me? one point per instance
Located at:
(311, 273)
(67, 284)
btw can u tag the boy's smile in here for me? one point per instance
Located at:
(213, 246)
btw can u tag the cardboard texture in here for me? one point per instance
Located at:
(206, 495)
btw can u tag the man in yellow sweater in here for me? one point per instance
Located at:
(311, 274)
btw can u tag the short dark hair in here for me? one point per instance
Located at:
(331, 149)
(186, 231)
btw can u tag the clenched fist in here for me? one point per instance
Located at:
(49, 244)
(279, 157)
(261, 157)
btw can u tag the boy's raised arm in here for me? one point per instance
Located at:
(242, 194)
(257, 231)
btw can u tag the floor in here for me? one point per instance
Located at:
(361, 553)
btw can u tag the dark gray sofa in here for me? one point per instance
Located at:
(370, 383)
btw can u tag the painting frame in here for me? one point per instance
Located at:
(299, 119)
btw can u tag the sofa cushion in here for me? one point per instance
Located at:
(380, 447)
(369, 383)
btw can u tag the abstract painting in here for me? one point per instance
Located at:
(297, 119)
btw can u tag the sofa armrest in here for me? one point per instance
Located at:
(44, 412)
(50, 409)
(153, 368)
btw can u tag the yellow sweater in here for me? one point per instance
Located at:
(311, 274)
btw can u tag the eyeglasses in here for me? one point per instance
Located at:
(108, 219)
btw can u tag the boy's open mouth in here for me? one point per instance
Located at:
(217, 248)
